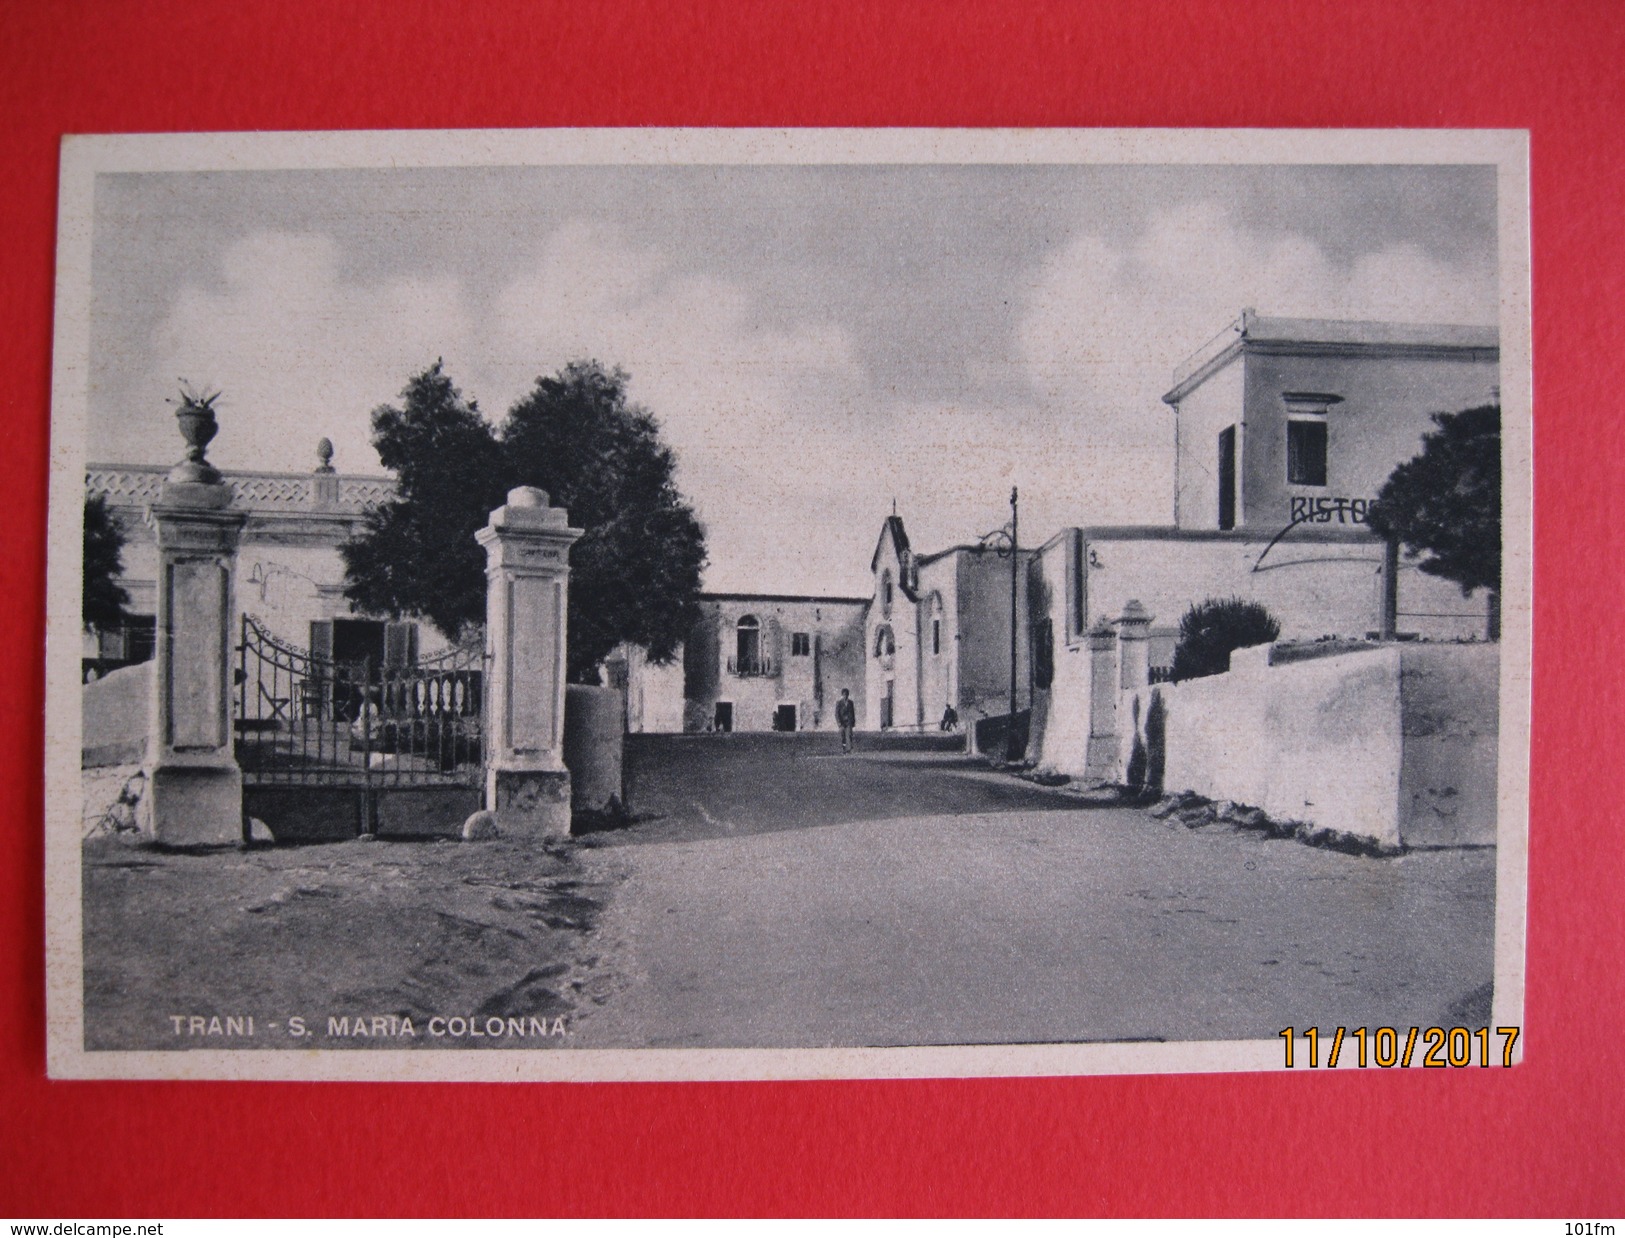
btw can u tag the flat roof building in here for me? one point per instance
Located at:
(1283, 420)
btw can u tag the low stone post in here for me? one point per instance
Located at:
(527, 572)
(1101, 759)
(1134, 643)
(194, 787)
(1389, 623)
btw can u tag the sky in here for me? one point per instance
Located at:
(817, 342)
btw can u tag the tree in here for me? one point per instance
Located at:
(1445, 503)
(1210, 631)
(416, 553)
(635, 572)
(104, 603)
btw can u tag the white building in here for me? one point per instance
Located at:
(1285, 430)
(937, 634)
(290, 571)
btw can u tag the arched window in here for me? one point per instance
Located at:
(749, 643)
(885, 641)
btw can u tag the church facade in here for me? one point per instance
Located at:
(937, 633)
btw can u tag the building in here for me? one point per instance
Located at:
(1287, 420)
(753, 662)
(934, 633)
(290, 570)
(937, 633)
(1285, 431)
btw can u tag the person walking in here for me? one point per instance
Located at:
(846, 717)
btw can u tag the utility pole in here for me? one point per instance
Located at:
(1010, 752)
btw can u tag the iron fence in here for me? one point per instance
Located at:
(304, 720)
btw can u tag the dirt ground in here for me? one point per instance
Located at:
(774, 892)
(182, 949)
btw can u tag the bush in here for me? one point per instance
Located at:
(1210, 631)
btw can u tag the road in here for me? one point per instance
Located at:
(778, 894)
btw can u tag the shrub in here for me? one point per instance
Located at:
(1210, 631)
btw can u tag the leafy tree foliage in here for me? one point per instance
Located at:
(417, 553)
(104, 598)
(635, 572)
(1445, 503)
(1210, 631)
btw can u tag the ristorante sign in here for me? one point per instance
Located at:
(1310, 509)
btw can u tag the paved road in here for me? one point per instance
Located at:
(780, 894)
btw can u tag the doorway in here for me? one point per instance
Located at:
(886, 705)
(723, 718)
(1227, 478)
(784, 718)
(357, 639)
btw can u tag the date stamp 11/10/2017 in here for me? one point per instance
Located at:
(1389, 1046)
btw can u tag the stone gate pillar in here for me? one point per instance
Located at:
(1101, 759)
(527, 573)
(1134, 642)
(194, 788)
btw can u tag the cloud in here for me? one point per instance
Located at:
(765, 420)
(790, 450)
(1104, 325)
(300, 351)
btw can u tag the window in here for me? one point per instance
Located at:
(1306, 452)
(885, 642)
(747, 646)
(135, 641)
(885, 592)
(936, 637)
(800, 645)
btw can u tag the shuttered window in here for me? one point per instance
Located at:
(1306, 452)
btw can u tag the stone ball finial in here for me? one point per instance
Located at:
(527, 496)
(324, 455)
(1135, 612)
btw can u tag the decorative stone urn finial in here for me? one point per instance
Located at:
(324, 455)
(194, 413)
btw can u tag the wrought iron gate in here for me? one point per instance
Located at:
(305, 721)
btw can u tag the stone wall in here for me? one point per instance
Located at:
(1450, 706)
(117, 714)
(1316, 583)
(1396, 744)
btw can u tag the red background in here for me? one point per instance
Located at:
(1547, 1138)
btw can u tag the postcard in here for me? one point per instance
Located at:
(698, 604)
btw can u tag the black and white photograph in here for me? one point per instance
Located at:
(698, 604)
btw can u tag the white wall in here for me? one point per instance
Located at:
(1315, 741)
(1450, 696)
(1396, 744)
(1316, 584)
(1059, 739)
(1387, 406)
(654, 694)
(299, 584)
(1203, 413)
